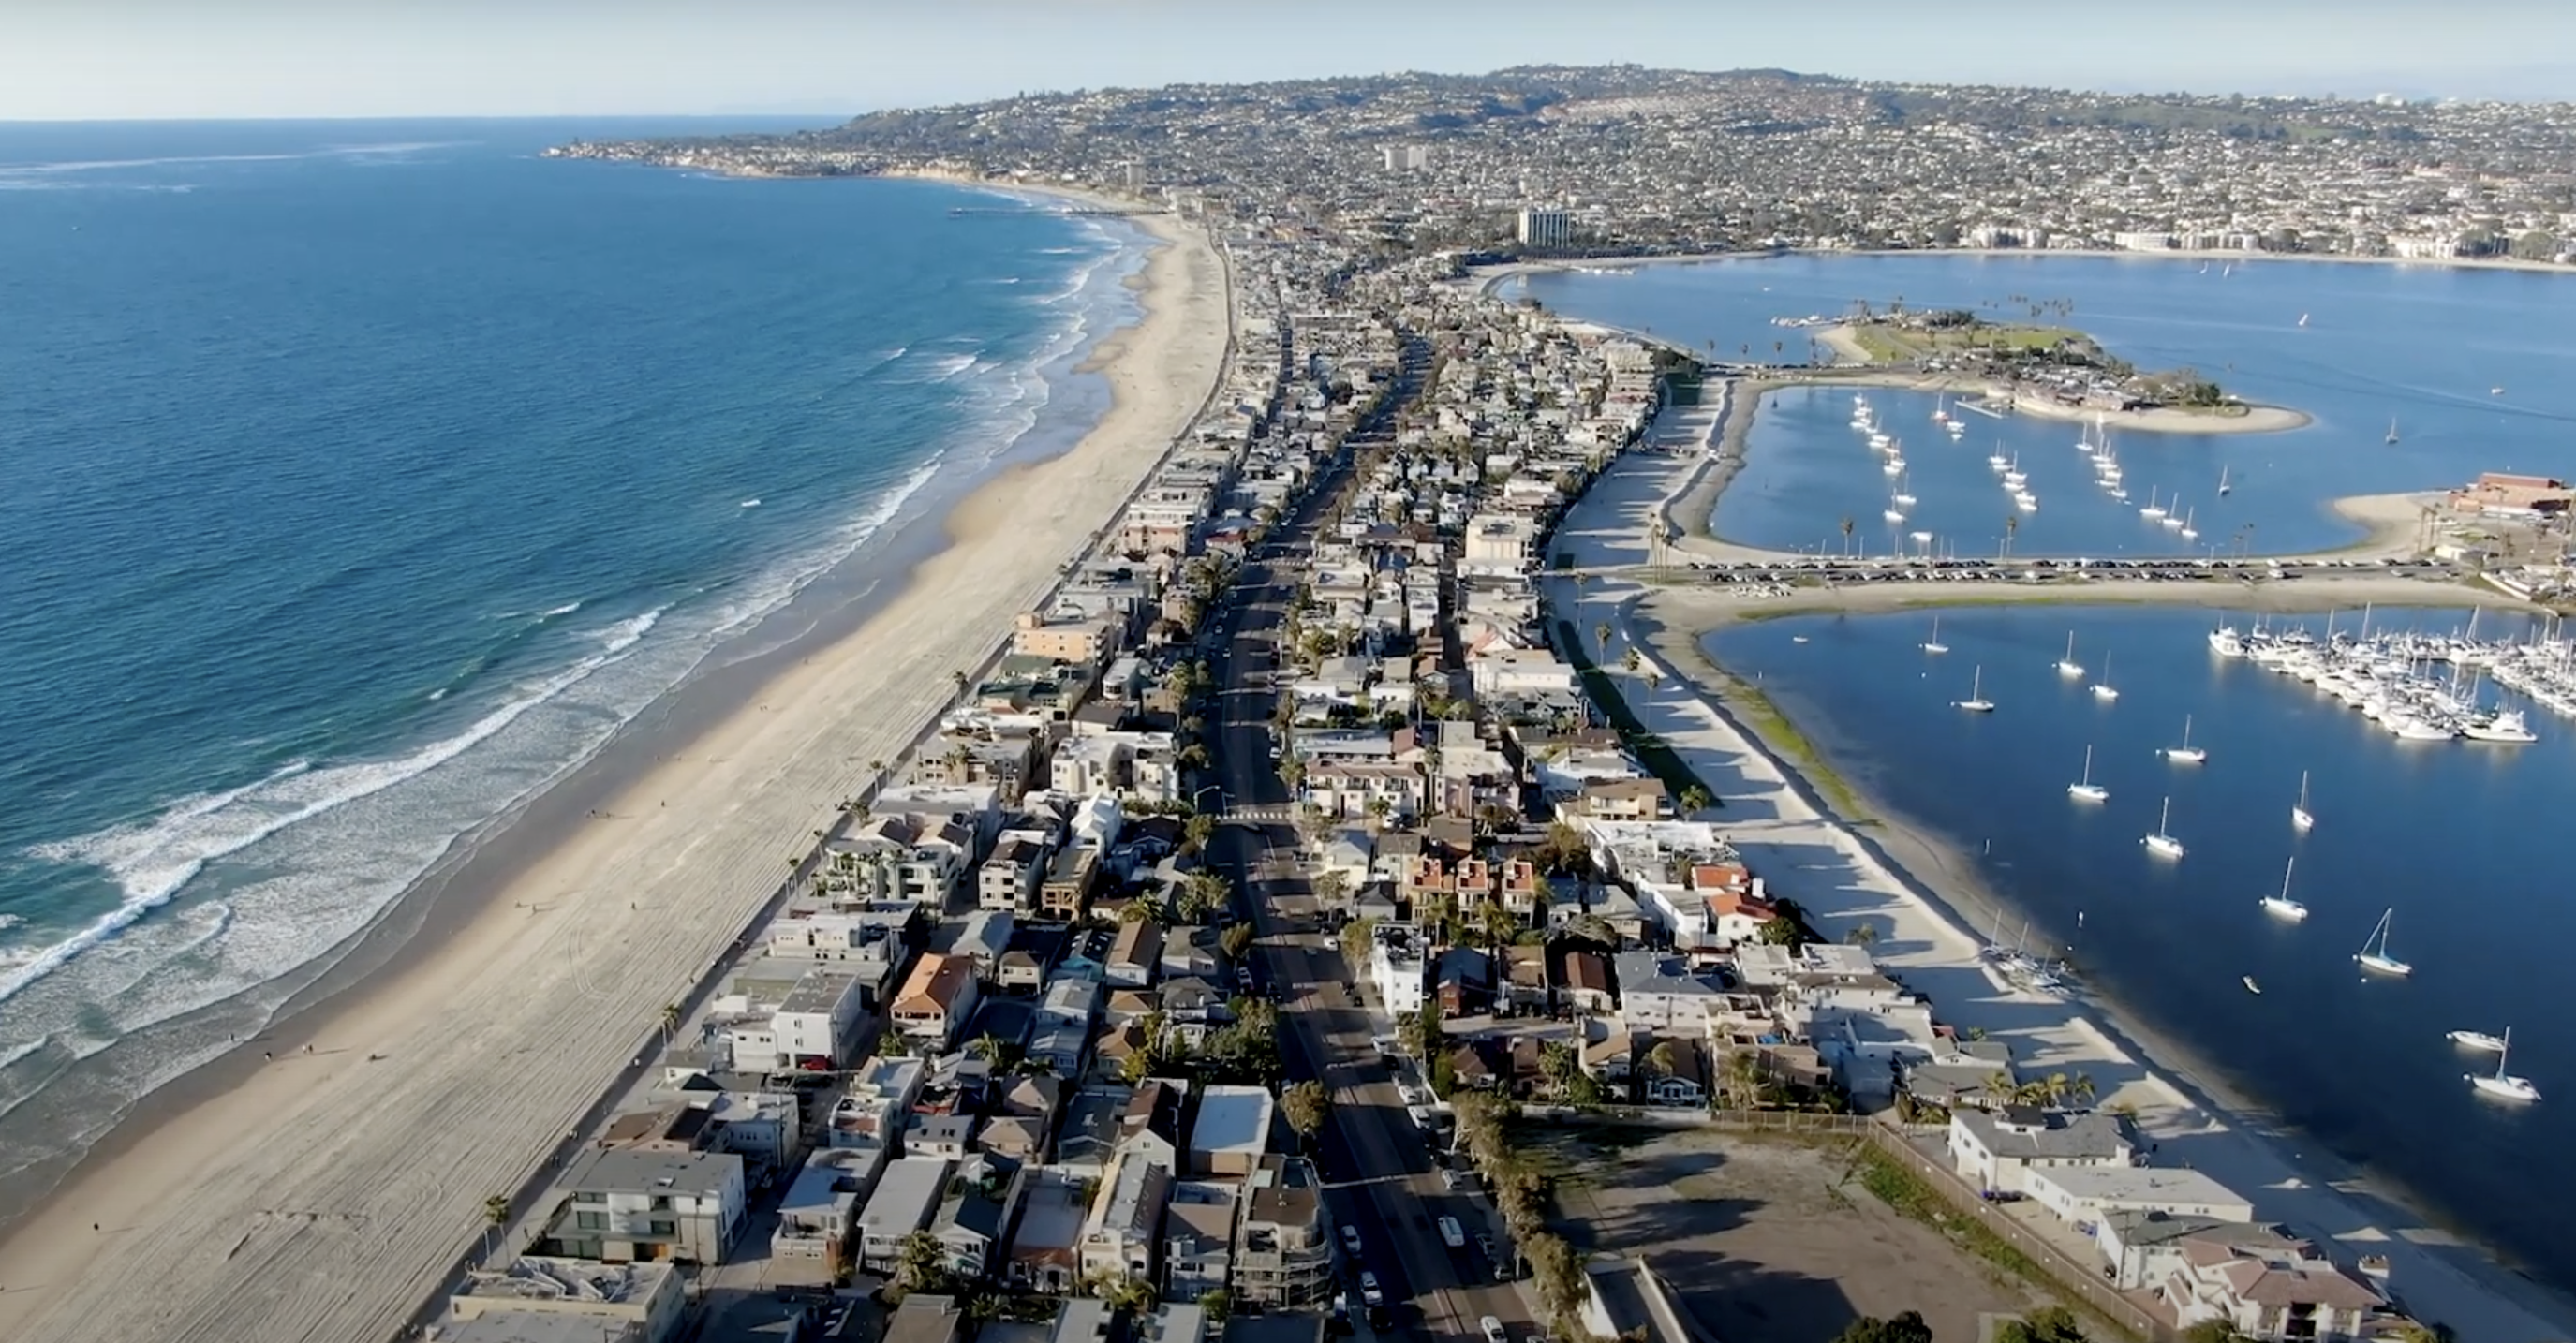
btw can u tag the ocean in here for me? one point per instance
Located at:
(2464, 364)
(360, 480)
(2458, 839)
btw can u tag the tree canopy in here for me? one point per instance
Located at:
(1907, 1327)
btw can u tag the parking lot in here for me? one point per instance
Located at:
(1760, 1235)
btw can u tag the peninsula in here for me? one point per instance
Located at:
(1282, 785)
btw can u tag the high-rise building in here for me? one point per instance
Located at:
(1545, 228)
(1135, 177)
(1407, 158)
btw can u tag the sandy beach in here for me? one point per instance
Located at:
(331, 1190)
(1925, 903)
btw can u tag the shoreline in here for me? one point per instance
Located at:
(1487, 278)
(1923, 897)
(2389, 522)
(2257, 419)
(523, 1001)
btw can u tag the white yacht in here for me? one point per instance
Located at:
(1920, 538)
(1976, 702)
(1958, 430)
(1997, 460)
(1894, 465)
(1892, 515)
(2102, 689)
(1880, 440)
(2501, 1084)
(2026, 501)
(2505, 725)
(2302, 819)
(2162, 843)
(2189, 532)
(2478, 1040)
(2153, 510)
(2067, 665)
(1902, 499)
(1934, 644)
(2374, 956)
(2225, 642)
(2282, 906)
(2186, 754)
(2408, 727)
(2084, 789)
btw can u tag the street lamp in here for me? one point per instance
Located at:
(1197, 805)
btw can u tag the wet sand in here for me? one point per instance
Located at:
(328, 1191)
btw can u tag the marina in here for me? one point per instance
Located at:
(2083, 896)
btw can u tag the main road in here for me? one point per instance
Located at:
(1379, 1170)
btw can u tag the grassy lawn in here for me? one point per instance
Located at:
(1659, 759)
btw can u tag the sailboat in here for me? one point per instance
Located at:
(2252, 987)
(2152, 511)
(2067, 665)
(1934, 644)
(2223, 486)
(2374, 953)
(2392, 431)
(2303, 319)
(2102, 689)
(2186, 754)
(2282, 905)
(2500, 1083)
(2162, 843)
(2189, 532)
(2302, 819)
(2084, 789)
(1976, 702)
(1901, 498)
(2478, 1040)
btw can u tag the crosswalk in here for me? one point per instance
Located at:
(1278, 814)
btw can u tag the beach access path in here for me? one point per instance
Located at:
(331, 1192)
(1907, 886)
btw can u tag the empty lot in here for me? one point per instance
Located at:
(1762, 1236)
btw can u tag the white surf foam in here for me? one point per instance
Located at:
(153, 861)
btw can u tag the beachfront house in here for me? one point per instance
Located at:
(621, 1205)
(2272, 1287)
(2084, 1195)
(1995, 1149)
(570, 1298)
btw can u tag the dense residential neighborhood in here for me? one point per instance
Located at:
(1033, 1046)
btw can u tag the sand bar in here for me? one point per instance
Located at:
(328, 1194)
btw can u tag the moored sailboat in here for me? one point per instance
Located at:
(2281, 905)
(2374, 956)
(2162, 843)
(2501, 1084)
(2084, 789)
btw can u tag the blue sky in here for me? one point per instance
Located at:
(827, 58)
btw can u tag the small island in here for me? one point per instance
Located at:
(2038, 369)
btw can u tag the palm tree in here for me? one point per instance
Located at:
(1305, 1105)
(1862, 934)
(1695, 799)
(2012, 526)
(988, 1047)
(1847, 534)
(1663, 1057)
(1601, 636)
(496, 1215)
(921, 1262)
(959, 679)
(670, 1021)
(1631, 660)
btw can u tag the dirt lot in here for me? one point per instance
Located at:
(1761, 1236)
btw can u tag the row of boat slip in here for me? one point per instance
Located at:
(2389, 679)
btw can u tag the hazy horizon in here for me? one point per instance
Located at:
(813, 59)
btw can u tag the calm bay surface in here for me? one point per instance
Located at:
(2465, 364)
(2460, 839)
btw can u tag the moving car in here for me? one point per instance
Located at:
(1370, 1292)
(1451, 1234)
(1351, 1240)
(1494, 1330)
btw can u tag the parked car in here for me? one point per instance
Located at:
(1351, 1240)
(1494, 1330)
(1370, 1292)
